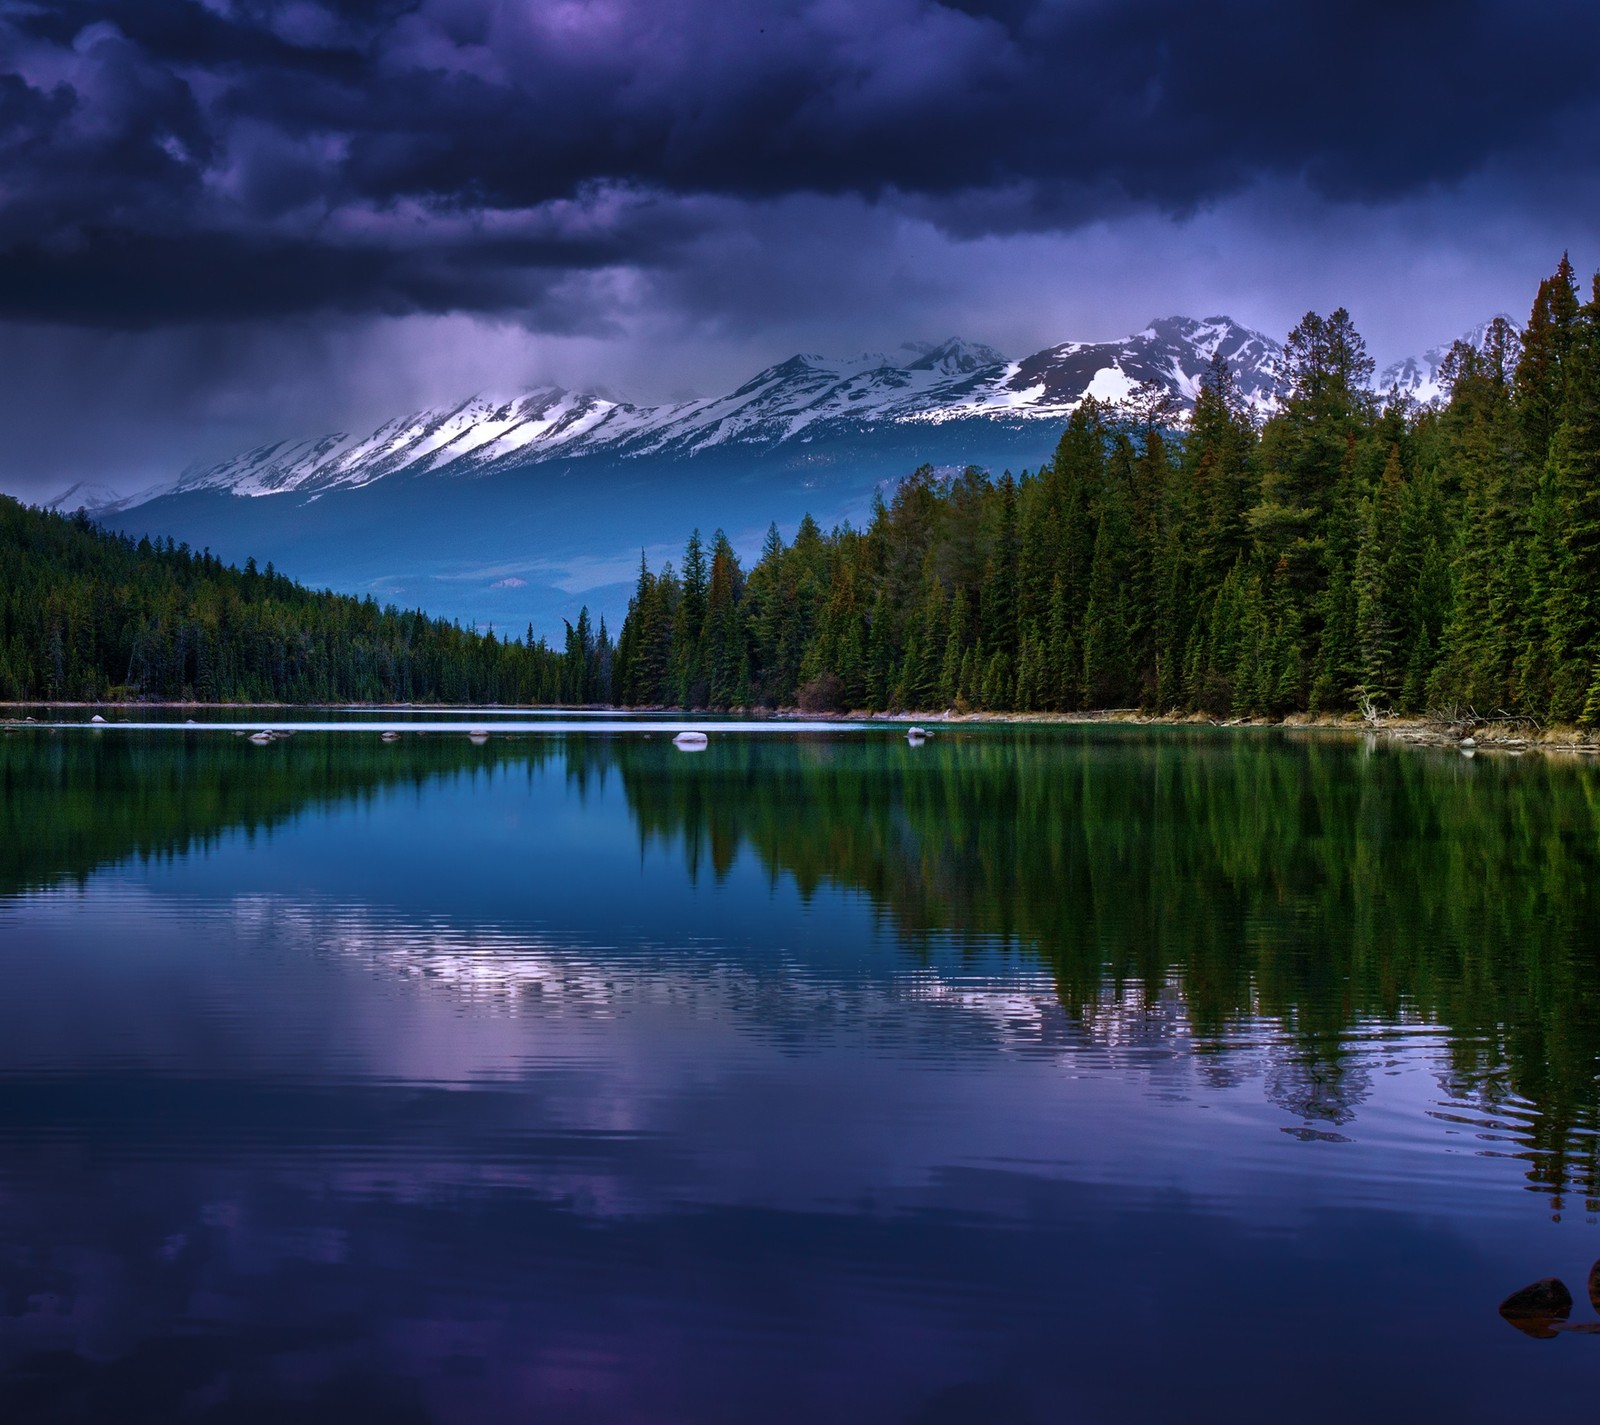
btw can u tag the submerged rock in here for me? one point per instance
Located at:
(1540, 1309)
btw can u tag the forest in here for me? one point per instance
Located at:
(1353, 549)
(91, 616)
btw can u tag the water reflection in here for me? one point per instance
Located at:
(1178, 890)
(574, 1078)
(1313, 885)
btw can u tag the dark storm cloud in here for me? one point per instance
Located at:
(199, 276)
(166, 161)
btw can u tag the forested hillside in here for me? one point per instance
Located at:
(1353, 547)
(89, 615)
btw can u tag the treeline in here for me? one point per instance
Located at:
(86, 615)
(1352, 548)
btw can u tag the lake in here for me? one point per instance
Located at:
(1030, 1074)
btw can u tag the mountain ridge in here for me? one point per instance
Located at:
(510, 509)
(801, 400)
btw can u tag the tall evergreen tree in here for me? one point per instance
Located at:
(724, 656)
(1572, 603)
(1541, 372)
(689, 681)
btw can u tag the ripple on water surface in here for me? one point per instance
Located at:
(815, 1076)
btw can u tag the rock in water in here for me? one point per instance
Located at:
(690, 742)
(1539, 1309)
(97, 718)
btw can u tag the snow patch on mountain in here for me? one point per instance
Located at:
(797, 404)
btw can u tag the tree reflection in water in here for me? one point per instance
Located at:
(1181, 887)
(1319, 885)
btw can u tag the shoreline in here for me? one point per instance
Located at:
(1468, 734)
(1509, 735)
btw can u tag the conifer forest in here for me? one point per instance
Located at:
(90, 616)
(1353, 549)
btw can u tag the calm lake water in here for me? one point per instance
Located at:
(1027, 1075)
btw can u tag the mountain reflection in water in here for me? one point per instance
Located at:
(569, 1077)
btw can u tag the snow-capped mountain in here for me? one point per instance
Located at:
(804, 401)
(1172, 353)
(1417, 376)
(519, 508)
(1422, 377)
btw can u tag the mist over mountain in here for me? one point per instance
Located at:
(516, 508)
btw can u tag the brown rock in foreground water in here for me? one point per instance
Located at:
(1538, 1309)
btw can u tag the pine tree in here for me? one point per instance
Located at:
(1382, 588)
(1541, 372)
(724, 656)
(1591, 704)
(997, 692)
(1308, 452)
(768, 591)
(998, 614)
(1572, 616)
(924, 683)
(957, 646)
(1106, 654)
(1061, 653)
(1218, 464)
(688, 679)
(577, 680)
(882, 670)
(1481, 457)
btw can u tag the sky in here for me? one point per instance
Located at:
(228, 221)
